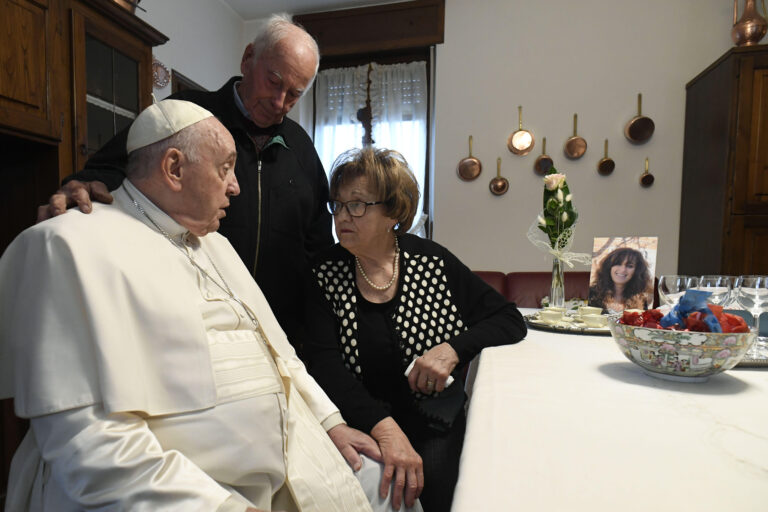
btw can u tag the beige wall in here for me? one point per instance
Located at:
(205, 42)
(555, 58)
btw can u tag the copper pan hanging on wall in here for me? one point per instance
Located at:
(469, 168)
(543, 163)
(606, 165)
(646, 179)
(575, 146)
(640, 128)
(498, 185)
(521, 141)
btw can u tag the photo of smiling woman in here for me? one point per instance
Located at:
(622, 277)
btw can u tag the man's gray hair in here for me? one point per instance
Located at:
(143, 161)
(277, 27)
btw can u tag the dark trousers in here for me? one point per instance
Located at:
(440, 452)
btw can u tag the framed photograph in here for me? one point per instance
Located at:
(622, 273)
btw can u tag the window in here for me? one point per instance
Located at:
(385, 43)
(385, 105)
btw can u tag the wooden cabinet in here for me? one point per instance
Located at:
(45, 84)
(49, 106)
(724, 202)
(71, 73)
(112, 71)
(27, 104)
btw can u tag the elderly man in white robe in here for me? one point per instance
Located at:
(153, 371)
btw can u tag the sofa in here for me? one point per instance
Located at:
(526, 289)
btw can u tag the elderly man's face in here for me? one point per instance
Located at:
(274, 82)
(209, 182)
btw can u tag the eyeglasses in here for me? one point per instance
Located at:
(354, 208)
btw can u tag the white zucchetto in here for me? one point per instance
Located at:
(161, 120)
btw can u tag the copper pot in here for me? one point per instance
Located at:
(469, 168)
(498, 185)
(646, 179)
(640, 128)
(606, 165)
(521, 141)
(751, 28)
(543, 163)
(575, 146)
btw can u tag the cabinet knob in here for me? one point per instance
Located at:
(83, 149)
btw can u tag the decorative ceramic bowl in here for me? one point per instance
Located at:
(680, 355)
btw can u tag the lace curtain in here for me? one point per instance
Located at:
(339, 94)
(398, 96)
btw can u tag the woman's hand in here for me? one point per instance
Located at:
(431, 370)
(401, 462)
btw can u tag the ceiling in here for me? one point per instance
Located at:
(254, 9)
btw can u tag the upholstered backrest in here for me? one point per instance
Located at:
(497, 280)
(526, 289)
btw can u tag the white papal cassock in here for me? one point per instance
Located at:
(147, 385)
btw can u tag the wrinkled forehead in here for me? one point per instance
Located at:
(291, 56)
(215, 138)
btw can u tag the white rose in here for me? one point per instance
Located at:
(554, 181)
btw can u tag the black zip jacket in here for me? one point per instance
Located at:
(280, 219)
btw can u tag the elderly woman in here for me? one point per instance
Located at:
(381, 299)
(622, 281)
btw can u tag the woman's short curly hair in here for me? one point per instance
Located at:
(389, 176)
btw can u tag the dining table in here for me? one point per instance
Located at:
(564, 422)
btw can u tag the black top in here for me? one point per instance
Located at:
(280, 219)
(359, 351)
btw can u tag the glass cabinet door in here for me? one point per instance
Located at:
(112, 92)
(112, 71)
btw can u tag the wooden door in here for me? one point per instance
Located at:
(757, 170)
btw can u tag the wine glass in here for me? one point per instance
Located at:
(752, 294)
(719, 286)
(671, 288)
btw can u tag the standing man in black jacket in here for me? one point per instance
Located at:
(280, 219)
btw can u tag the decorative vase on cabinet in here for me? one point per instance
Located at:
(751, 28)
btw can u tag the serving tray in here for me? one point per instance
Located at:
(755, 358)
(532, 320)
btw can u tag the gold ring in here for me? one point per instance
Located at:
(430, 383)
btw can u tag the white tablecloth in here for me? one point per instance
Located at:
(565, 422)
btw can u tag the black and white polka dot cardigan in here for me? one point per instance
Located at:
(425, 316)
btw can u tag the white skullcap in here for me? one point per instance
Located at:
(161, 120)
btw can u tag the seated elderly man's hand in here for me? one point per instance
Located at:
(74, 193)
(431, 371)
(401, 463)
(352, 442)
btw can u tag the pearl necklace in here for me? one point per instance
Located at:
(395, 265)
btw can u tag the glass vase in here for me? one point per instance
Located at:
(557, 290)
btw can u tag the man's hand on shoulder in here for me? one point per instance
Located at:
(74, 193)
